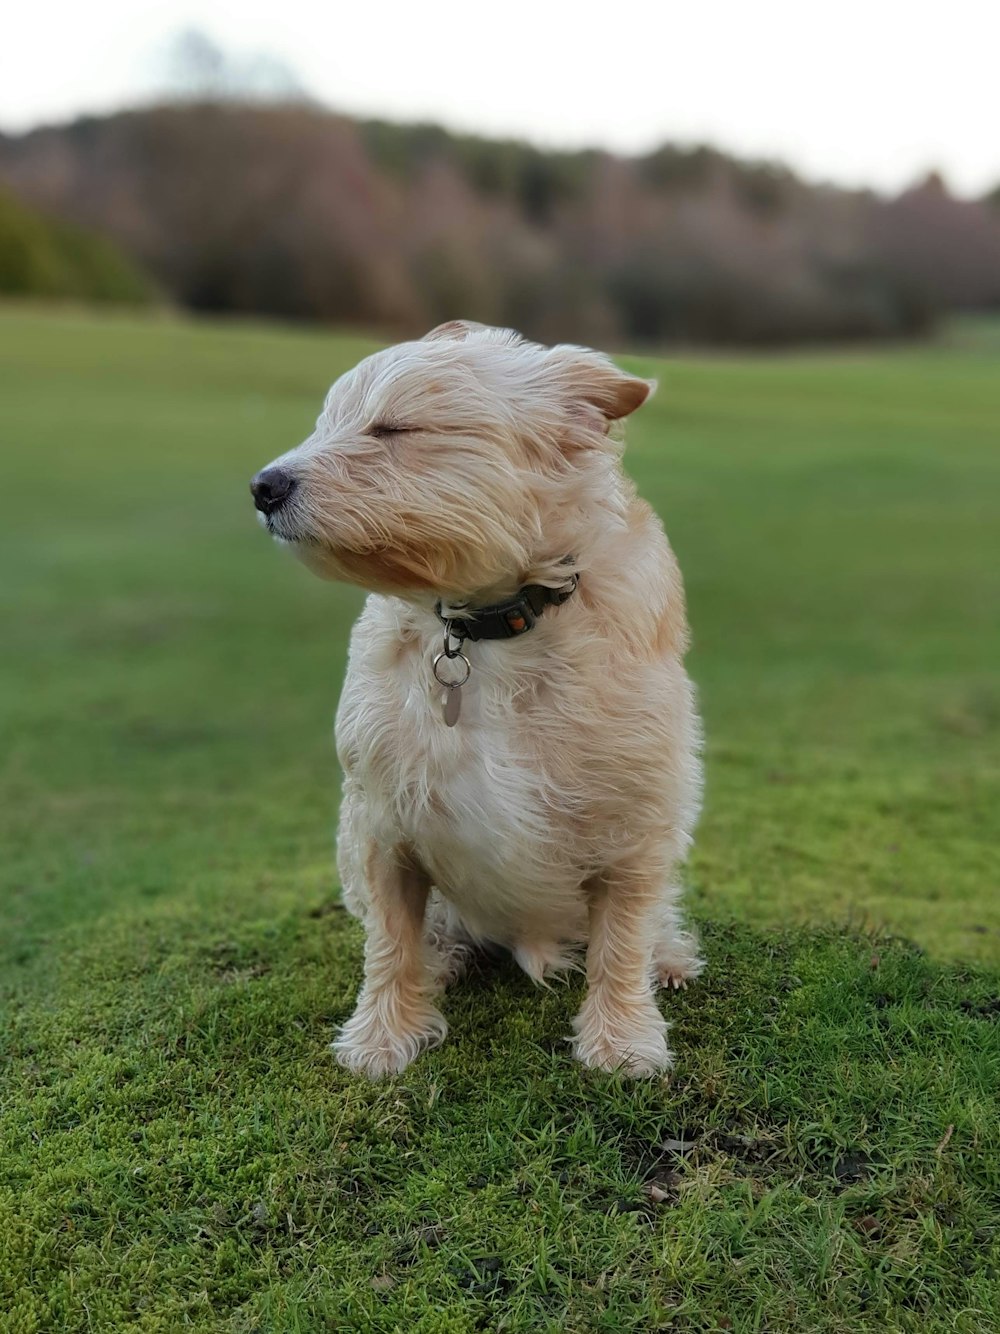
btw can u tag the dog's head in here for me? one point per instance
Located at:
(451, 465)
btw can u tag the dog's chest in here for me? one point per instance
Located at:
(479, 801)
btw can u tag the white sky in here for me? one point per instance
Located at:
(858, 91)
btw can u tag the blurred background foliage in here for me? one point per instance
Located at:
(42, 256)
(235, 194)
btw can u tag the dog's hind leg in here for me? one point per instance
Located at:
(450, 945)
(395, 1018)
(676, 960)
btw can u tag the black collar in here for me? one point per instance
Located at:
(507, 620)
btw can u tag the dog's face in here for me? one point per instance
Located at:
(446, 466)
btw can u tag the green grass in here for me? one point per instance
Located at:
(177, 1148)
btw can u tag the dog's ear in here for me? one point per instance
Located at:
(456, 330)
(592, 381)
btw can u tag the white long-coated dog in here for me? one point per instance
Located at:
(517, 732)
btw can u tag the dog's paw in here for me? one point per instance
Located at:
(367, 1045)
(449, 961)
(674, 978)
(676, 963)
(632, 1041)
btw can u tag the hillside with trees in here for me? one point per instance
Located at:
(292, 211)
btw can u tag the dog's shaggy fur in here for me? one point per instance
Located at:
(555, 814)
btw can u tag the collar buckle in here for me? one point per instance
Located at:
(557, 596)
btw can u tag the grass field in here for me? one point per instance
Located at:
(177, 1148)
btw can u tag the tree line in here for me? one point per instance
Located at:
(292, 211)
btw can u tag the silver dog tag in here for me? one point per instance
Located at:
(452, 701)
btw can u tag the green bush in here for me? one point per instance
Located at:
(40, 256)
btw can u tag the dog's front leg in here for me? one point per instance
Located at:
(394, 1019)
(619, 1026)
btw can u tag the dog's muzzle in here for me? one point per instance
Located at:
(271, 489)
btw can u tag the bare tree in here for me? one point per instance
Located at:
(196, 69)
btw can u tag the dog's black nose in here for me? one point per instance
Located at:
(271, 488)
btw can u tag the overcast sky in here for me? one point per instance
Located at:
(874, 92)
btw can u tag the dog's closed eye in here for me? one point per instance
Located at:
(382, 430)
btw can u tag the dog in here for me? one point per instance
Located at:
(518, 736)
